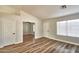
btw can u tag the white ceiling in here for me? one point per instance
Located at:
(41, 12)
(44, 11)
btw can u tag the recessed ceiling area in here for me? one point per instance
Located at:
(43, 11)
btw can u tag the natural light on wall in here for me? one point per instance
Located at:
(68, 28)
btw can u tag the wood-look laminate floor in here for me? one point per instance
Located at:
(42, 45)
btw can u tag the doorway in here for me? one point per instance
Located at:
(28, 31)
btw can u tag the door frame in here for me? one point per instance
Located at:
(33, 29)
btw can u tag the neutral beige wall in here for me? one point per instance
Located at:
(50, 30)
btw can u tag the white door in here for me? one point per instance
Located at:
(9, 26)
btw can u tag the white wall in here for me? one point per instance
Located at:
(38, 24)
(23, 17)
(50, 29)
(0, 32)
(3, 19)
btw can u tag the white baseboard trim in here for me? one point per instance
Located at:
(2, 46)
(49, 38)
(38, 37)
(63, 41)
(19, 42)
(10, 44)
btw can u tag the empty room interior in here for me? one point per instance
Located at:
(39, 29)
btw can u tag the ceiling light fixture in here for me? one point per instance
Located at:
(63, 6)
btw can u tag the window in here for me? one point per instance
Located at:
(61, 28)
(68, 28)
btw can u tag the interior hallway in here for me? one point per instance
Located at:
(41, 45)
(28, 37)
